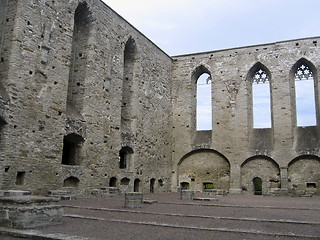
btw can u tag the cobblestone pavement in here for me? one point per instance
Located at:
(233, 216)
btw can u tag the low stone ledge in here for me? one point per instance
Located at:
(106, 192)
(62, 194)
(205, 199)
(148, 201)
(9, 193)
(29, 212)
(215, 192)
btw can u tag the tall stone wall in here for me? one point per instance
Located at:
(63, 70)
(87, 101)
(252, 152)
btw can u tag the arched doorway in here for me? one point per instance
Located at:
(136, 185)
(256, 169)
(257, 186)
(152, 182)
(113, 182)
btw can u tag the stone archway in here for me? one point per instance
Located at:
(263, 168)
(72, 182)
(203, 166)
(304, 174)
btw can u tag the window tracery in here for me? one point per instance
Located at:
(260, 77)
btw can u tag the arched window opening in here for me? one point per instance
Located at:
(20, 178)
(136, 186)
(152, 182)
(257, 186)
(71, 182)
(204, 105)
(305, 97)
(261, 99)
(130, 52)
(184, 186)
(125, 181)
(113, 182)
(71, 149)
(125, 157)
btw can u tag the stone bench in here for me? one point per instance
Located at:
(29, 212)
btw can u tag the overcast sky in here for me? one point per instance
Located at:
(187, 26)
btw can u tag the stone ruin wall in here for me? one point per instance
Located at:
(80, 88)
(284, 156)
(63, 71)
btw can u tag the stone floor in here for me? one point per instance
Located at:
(229, 217)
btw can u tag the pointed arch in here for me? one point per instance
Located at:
(130, 55)
(260, 104)
(202, 99)
(303, 76)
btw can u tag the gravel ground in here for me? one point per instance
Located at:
(229, 217)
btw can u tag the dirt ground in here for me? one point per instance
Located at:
(228, 217)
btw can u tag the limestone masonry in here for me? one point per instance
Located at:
(88, 102)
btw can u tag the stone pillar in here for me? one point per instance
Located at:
(133, 200)
(235, 179)
(186, 194)
(284, 178)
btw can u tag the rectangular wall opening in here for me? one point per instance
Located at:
(311, 185)
(20, 178)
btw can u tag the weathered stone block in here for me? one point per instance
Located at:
(187, 194)
(29, 211)
(133, 200)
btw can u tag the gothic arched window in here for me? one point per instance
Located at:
(261, 99)
(204, 106)
(305, 96)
